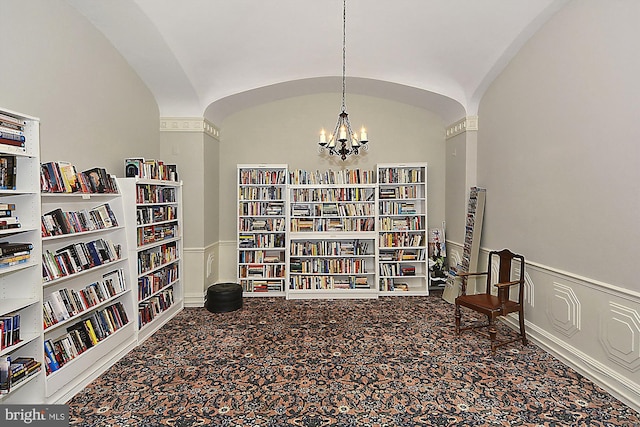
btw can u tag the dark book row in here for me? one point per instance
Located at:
(65, 303)
(9, 330)
(58, 222)
(8, 172)
(63, 177)
(155, 257)
(83, 335)
(8, 218)
(12, 132)
(150, 169)
(14, 253)
(78, 257)
(14, 371)
(153, 282)
(151, 308)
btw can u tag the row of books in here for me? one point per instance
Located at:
(14, 371)
(260, 208)
(332, 209)
(262, 177)
(78, 257)
(262, 224)
(330, 248)
(261, 240)
(260, 257)
(8, 171)
(156, 233)
(83, 335)
(58, 222)
(262, 270)
(400, 192)
(391, 285)
(149, 309)
(8, 218)
(261, 285)
(150, 193)
(348, 194)
(153, 214)
(12, 132)
(151, 283)
(328, 266)
(300, 225)
(260, 193)
(397, 270)
(346, 176)
(402, 255)
(400, 239)
(397, 208)
(400, 176)
(155, 257)
(63, 177)
(9, 330)
(65, 303)
(150, 169)
(14, 253)
(327, 282)
(401, 224)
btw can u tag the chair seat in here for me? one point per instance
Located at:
(486, 303)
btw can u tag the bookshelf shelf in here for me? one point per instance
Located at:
(262, 229)
(402, 229)
(155, 250)
(85, 279)
(20, 278)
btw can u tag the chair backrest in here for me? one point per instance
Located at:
(506, 260)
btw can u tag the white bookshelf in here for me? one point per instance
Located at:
(402, 229)
(153, 220)
(332, 235)
(62, 275)
(262, 229)
(21, 284)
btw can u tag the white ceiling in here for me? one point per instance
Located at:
(231, 54)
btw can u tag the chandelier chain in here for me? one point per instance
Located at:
(344, 55)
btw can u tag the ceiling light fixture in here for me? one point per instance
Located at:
(343, 141)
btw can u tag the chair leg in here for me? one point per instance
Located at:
(457, 315)
(492, 336)
(522, 332)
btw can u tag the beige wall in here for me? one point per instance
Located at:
(456, 187)
(94, 110)
(287, 131)
(559, 147)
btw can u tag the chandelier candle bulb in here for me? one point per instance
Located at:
(343, 133)
(323, 138)
(363, 135)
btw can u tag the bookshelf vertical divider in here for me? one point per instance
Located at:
(21, 284)
(153, 219)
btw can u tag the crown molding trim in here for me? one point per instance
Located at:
(461, 126)
(189, 124)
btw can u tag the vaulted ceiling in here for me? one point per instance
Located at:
(214, 57)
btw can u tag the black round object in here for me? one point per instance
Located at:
(224, 297)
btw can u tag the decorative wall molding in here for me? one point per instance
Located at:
(620, 335)
(564, 309)
(461, 126)
(189, 124)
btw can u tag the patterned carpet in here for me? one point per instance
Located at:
(377, 363)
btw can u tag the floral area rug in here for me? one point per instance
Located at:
(389, 362)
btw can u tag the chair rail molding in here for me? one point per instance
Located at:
(592, 326)
(189, 124)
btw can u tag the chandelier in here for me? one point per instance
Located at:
(343, 141)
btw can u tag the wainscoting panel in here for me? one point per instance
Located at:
(593, 327)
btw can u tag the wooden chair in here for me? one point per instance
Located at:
(494, 306)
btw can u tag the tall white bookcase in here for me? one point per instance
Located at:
(332, 234)
(153, 219)
(64, 276)
(21, 284)
(262, 229)
(402, 229)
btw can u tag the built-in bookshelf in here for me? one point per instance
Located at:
(87, 301)
(153, 219)
(21, 355)
(332, 234)
(262, 229)
(402, 229)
